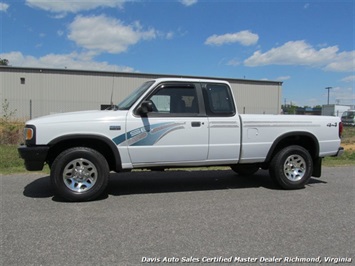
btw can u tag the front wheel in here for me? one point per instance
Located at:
(292, 167)
(79, 174)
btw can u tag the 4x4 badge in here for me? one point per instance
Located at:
(332, 125)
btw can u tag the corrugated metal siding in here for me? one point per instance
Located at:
(52, 91)
(44, 93)
(257, 98)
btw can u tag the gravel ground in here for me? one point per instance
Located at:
(181, 217)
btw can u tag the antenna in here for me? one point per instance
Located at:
(112, 106)
(113, 84)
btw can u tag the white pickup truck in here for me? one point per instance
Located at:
(175, 122)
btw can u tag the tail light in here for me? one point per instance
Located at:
(340, 129)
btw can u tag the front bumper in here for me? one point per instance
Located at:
(34, 156)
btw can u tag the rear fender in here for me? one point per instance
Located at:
(304, 139)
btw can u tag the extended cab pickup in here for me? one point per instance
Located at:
(176, 123)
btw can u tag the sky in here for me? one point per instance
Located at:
(308, 45)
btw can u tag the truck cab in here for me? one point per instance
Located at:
(177, 122)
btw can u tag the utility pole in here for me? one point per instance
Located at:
(328, 88)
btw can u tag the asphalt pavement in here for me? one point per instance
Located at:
(181, 218)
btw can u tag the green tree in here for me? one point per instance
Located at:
(4, 62)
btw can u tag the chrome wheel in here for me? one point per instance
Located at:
(295, 167)
(80, 175)
(291, 167)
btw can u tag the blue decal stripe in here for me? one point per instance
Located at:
(119, 139)
(148, 135)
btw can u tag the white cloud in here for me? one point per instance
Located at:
(73, 6)
(245, 38)
(292, 53)
(342, 62)
(283, 78)
(302, 53)
(105, 34)
(188, 2)
(349, 79)
(74, 60)
(3, 7)
(342, 95)
(169, 35)
(233, 62)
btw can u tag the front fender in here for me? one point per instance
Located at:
(102, 144)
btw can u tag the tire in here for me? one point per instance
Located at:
(291, 167)
(79, 174)
(246, 169)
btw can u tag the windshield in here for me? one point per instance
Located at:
(134, 96)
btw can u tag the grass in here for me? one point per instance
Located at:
(348, 137)
(348, 142)
(347, 159)
(10, 162)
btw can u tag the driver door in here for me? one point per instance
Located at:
(173, 132)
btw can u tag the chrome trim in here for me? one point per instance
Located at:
(223, 124)
(280, 124)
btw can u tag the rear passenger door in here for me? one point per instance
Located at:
(174, 132)
(223, 122)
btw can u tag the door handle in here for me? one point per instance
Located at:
(195, 124)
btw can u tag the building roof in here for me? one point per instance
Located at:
(112, 73)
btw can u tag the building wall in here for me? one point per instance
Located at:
(37, 92)
(257, 97)
(335, 110)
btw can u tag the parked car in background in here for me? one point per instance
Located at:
(348, 118)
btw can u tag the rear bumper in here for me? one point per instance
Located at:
(340, 152)
(34, 157)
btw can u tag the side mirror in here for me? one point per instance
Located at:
(145, 108)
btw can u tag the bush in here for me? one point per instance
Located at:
(11, 132)
(10, 129)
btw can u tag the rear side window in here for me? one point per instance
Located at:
(218, 100)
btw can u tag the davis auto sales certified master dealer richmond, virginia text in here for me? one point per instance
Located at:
(236, 259)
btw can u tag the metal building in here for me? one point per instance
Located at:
(34, 92)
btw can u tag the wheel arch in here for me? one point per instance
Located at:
(303, 139)
(102, 144)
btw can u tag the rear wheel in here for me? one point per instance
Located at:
(292, 167)
(79, 174)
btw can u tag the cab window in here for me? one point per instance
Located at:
(218, 100)
(175, 99)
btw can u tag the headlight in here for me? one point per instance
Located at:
(30, 135)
